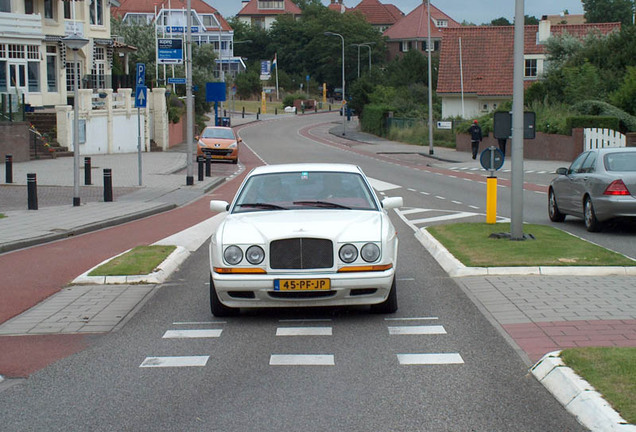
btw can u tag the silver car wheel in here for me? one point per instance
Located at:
(591, 223)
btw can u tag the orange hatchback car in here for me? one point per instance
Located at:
(219, 142)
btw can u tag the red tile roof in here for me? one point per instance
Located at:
(338, 6)
(251, 9)
(487, 56)
(377, 13)
(414, 25)
(150, 6)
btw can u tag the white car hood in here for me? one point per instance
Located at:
(339, 225)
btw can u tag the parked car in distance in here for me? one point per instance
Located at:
(598, 186)
(219, 142)
(304, 235)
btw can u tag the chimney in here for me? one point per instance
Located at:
(544, 29)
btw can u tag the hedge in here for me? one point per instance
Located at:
(373, 119)
(588, 121)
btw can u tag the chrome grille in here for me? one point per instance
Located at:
(301, 253)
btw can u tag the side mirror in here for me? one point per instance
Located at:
(219, 206)
(392, 202)
(196, 138)
(239, 140)
(562, 171)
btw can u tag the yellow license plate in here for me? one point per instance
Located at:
(302, 284)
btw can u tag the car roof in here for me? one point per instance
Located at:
(295, 167)
(616, 149)
(218, 127)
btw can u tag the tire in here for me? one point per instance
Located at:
(591, 223)
(553, 210)
(235, 161)
(388, 306)
(219, 309)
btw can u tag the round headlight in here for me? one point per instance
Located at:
(233, 255)
(370, 252)
(348, 253)
(255, 255)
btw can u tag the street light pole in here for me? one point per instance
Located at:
(189, 113)
(75, 42)
(430, 84)
(344, 100)
(368, 45)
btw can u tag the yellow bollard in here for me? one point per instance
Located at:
(491, 200)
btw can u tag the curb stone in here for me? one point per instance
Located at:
(577, 396)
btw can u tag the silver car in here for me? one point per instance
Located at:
(598, 186)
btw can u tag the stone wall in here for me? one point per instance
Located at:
(543, 147)
(14, 141)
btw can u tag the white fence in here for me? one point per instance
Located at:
(598, 138)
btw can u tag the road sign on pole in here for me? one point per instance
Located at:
(141, 74)
(141, 96)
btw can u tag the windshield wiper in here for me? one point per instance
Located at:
(322, 204)
(262, 205)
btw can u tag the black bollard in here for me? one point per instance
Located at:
(108, 185)
(224, 113)
(32, 191)
(200, 163)
(208, 161)
(243, 112)
(276, 111)
(315, 108)
(87, 171)
(8, 161)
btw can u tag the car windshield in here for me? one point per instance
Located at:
(620, 161)
(217, 133)
(305, 190)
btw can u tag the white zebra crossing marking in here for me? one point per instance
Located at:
(302, 360)
(183, 361)
(459, 215)
(417, 330)
(192, 334)
(304, 331)
(430, 359)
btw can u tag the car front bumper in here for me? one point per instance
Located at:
(257, 291)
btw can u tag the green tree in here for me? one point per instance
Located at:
(501, 21)
(248, 83)
(141, 37)
(597, 11)
(625, 96)
(531, 20)
(582, 83)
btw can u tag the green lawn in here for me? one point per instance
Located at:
(611, 371)
(470, 243)
(141, 260)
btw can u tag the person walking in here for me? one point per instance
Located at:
(475, 137)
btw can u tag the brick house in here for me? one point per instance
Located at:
(263, 13)
(486, 61)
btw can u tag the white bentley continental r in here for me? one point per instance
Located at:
(304, 235)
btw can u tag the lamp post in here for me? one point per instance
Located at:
(368, 45)
(75, 42)
(344, 101)
(430, 83)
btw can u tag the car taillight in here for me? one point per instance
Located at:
(617, 187)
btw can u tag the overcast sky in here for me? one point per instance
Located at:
(475, 11)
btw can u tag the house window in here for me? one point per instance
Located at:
(530, 70)
(442, 23)
(51, 68)
(67, 9)
(406, 46)
(209, 21)
(29, 8)
(99, 68)
(72, 68)
(5, 5)
(48, 9)
(97, 12)
(138, 19)
(271, 4)
(258, 22)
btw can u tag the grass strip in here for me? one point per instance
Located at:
(470, 243)
(140, 260)
(611, 371)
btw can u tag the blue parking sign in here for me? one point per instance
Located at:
(141, 74)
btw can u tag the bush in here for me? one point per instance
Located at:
(593, 122)
(289, 99)
(627, 122)
(373, 119)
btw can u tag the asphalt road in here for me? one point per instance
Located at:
(360, 379)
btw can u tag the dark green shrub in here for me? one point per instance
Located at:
(601, 122)
(290, 98)
(627, 122)
(373, 119)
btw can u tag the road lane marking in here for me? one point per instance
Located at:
(415, 210)
(304, 331)
(411, 319)
(459, 215)
(198, 322)
(430, 359)
(301, 360)
(183, 361)
(306, 320)
(381, 186)
(192, 334)
(417, 330)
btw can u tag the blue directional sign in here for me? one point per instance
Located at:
(141, 74)
(176, 80)
(169, 51)
(141, 96)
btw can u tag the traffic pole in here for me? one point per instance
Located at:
(491, 200)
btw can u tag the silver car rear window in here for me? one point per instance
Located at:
(620, 161)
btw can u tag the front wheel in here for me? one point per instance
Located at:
(219, 309)
(553, 210)
(390, 305)
(591, 223)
